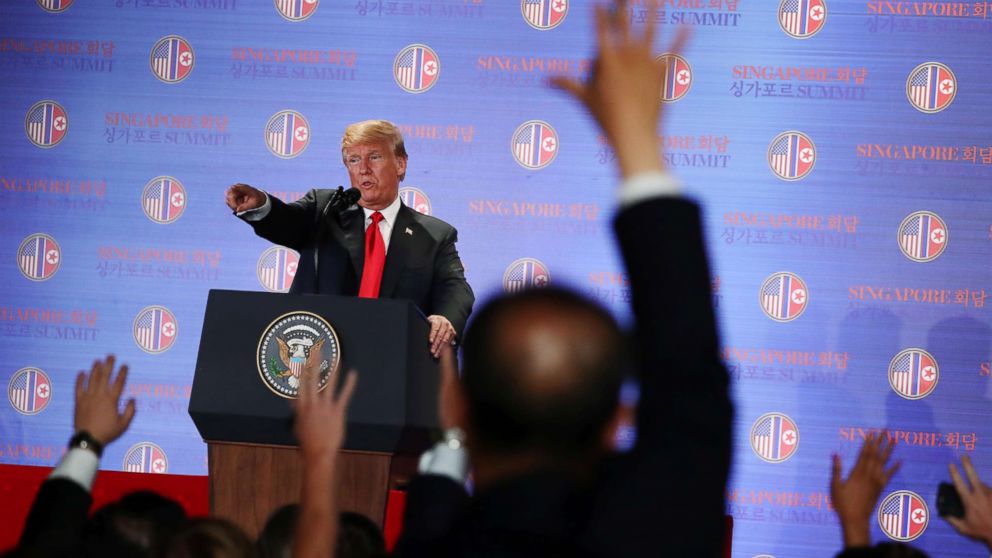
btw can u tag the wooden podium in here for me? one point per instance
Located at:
(253, 463)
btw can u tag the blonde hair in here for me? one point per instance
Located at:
(374, 131)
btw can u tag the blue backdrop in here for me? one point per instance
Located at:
(841, 150)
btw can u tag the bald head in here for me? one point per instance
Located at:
(542, 369)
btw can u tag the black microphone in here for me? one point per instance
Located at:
(340, 200)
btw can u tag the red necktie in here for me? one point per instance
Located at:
(375, 259)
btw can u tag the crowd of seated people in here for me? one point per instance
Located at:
(533, 412)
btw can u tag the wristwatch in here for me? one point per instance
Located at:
(85, 440)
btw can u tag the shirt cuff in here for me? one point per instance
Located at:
(78, 465)
(446, 461)
(258, 213)
(646, 185)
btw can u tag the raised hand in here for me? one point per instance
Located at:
(977, 500)
(98, 399)
(855, 498)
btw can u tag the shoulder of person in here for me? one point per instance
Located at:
(433, 225)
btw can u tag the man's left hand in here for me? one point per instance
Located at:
(442, 333)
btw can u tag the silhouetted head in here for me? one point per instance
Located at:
(359, 537)
(542, 369)
(276, 538)
(210, 537)
(138, 525)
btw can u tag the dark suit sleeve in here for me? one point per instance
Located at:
(433, 505)
(55, 524)
(451, 293)
(669, 490)
(289, 224)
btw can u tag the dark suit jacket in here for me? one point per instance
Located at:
(57, 519)
(666, 496)
(422, 263)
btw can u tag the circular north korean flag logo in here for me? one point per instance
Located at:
(903, 515)
(774, 437)
(524, 274)
(783, 296)
(913, 373)
(677, 80)
(416, 200)
(801, 19)
(276, 268)
(791, 155)
(931, 87)
(535, 144)
(287, 134)
(29, 391)
(416, 68)
(296, 10)
(55, 6)
(46, 124)
(146, 457)
(39, 257)
(163, 199)
(155, 329)
(172, 59)
(922, 236)
(544, 14)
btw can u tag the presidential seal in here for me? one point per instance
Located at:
(293, 345)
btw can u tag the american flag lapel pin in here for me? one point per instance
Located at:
(408, 231)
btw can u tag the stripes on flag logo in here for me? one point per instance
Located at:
(296, 10)
(416, 199)
(791, 155)
(163, 199)
(774, 437)
(922, 236)
(287, 134)
(931, 87)
(913, 373)
(544, 14)
(172, 59)
(783, 296)
(534, 144)
(677, 79)
(146, 457)
(801, 19)
(276, 268)
(155, 329)
(55, 6)
(416, 68)
(39, 257)
(524, 274)
(46, 123)
(903, 515)
(29, 391)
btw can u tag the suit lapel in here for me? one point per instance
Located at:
(399, 246)
(352, 233)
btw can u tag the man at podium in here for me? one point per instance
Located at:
(363, 241)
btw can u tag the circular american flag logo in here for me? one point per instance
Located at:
(802, 19)
(55, 6)
(172, 59)
(903, 515)
(791, 155)
(276, 268)
(524, 274)
(677, 80)
(155, 329)
(544, 14)
(29, 391)
(783, 296)
(416, 199)
(296, 10)
(46, 124)
(774, 437)
(922, 236)
(146, 457)
(287, 134)
(39, 257)
(913, 373)
(163, 200)
(416, 68)
(931, 87)
(535, 144)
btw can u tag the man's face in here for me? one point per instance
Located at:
(375, 171)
